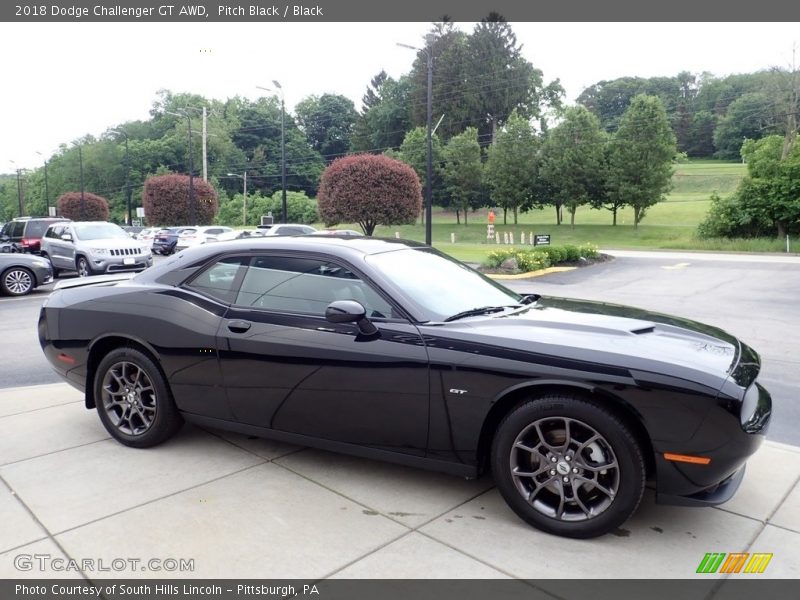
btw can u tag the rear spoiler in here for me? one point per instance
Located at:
(93, 280)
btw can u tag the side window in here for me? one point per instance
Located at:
(18, 229)
(305, 285)
(221, 279)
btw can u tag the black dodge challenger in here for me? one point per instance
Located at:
(389, 349)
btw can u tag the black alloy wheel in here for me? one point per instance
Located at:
(133, 400)
(568, 467)
(17, 281)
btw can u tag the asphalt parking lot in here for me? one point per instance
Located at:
(248, 508)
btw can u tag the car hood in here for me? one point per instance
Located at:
(639, 342)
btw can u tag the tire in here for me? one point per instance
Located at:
(17, 281)
(83, 267)
(567, 466)
(133, 400)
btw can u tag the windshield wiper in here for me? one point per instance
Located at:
(482, 310)
(530, 298)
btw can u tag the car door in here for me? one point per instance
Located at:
(59, 251)
(285, 367)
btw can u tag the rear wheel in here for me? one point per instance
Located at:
(17, 281)
(133, 400)
(567, 466)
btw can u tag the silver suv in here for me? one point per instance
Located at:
(92, 247)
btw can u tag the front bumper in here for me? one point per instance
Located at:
(712, 496)
(728, 437)
(119, 265)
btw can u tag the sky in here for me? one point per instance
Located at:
(62, 81)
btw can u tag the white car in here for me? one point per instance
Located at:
(287, 229)
(146, 235)
(194, 236)
(237, 234)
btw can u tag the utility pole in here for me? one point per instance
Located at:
(19, 194)
(205, 145)
(46, 193)
(83, 198)
(192, 212)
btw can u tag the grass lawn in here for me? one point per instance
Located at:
(668, 225)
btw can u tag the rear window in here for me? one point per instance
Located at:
(36, 229)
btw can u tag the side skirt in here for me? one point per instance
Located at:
(442, 466)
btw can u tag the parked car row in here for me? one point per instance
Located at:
(97, 247)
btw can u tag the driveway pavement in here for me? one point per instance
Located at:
(250, 508)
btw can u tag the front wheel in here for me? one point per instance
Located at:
(17, 281)
(567, 466)
(133, 400)
(83, 267)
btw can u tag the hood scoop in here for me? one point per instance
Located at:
(643, 330)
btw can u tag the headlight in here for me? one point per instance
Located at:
(100, 251)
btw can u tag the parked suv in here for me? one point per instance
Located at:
(92, 247)
(27, 232)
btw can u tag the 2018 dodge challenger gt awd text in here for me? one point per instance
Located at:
(391, 350)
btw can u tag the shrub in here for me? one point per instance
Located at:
(166, 200)
(542, 257)
(369, 190)
(95, 207)
(727, 217)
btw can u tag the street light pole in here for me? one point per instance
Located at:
(283, 147)
(244, 204)
(429, 162)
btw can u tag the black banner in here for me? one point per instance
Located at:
(407, 10)
(377, 589)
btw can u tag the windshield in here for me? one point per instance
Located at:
(100, 231)
(439, 285)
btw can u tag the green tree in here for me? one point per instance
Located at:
(414, 152)
(463, 172)
(450, 81)
(640, 157)
(511, 166)
(386, 114)
(572, 161)
(328, 122)
(748, 117)
(501, 80)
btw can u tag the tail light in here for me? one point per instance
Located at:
(26, 243)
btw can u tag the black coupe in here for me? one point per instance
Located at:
(391, 350)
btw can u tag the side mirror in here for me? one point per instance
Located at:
(66, 237)
(350, 311)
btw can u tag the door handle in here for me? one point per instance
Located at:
(239, 326)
